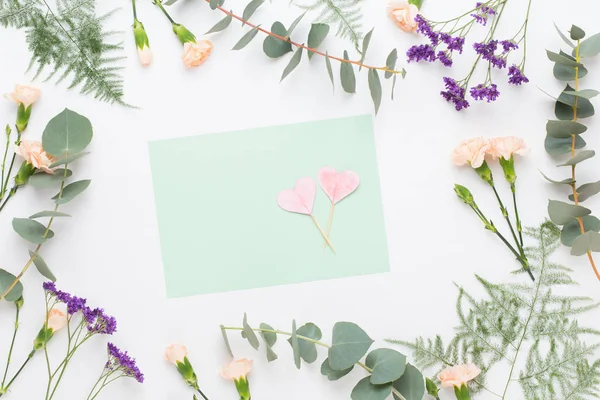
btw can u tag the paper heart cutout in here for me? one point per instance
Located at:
(337, 186)
(301, 199)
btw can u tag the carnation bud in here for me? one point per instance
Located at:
(508, 166)
(142, 43)
(55, 321)
(238, 371)
(462, 392)
(432, 388)
(24, 173)
(19, 303)
(464, 194)
(184, 35)
(485, 173)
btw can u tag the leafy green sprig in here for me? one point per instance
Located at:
(389, 373)
(580, 228)
(65, 137)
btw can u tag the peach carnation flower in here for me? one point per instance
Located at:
(506, 146)
(403, 14)
(458, 375)
(176, 353)
(56, 320)
(471, 151)
(24, 94)
(238, 369)
(194, 54)
(35, 155)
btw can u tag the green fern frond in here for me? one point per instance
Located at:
(515, 317)
(70, 43)
(346, 14)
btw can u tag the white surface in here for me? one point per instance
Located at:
(109, 251)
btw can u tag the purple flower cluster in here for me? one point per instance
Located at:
(445, 58)
(454, 43)
(487, 52)
(455, 93)
(516, 76)
(421, 52)
(482, 14)
(97, 320)
(427, 52)
(508, 46)
(120, 360)
(425, 28)
(481, 91)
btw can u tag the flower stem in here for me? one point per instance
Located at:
(12, 344)
(160, 5)
(310, 49)
(29, 357)
(134, 10)
(513, 189)
(526, 23)
(201, 394)
(8, 132)
(508, 221)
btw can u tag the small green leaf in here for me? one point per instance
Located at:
(411, 385)
(590, 47)
(388, 365)
(375, 88)
(294, 24)
(585, 93)
(249, 333)
(564, 73)
(31, 230)
(566, 39)
(572, 229)
(226, 340)
(586, 191)
(577, 33)
(579, 157)
(308, 350)
(51, 214)
(41, 266)
(589, 241)
(365, 47)
(347, 75)
(221, 25)
(43, 180)
(251, 9)
(561, 213)
(6, 279)
(269, 337)
(317, 34)
(350, 343)
(566, 102)
(215, 3)
(567, 181)
(295, 345)
(294, 61)
(69, 159)
(431, 387)
(564, 129)
(332, 374)
(329, 69)
(274, 47)
(559, 146)
(71, 191)
(66, 134)
(365, 390)
(562, 60)
(247, 38)
(390, 63)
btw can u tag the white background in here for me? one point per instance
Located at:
(109, 251)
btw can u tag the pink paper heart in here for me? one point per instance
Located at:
(337, 186)
(301, 199)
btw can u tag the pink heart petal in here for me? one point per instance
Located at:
(337, 186)
(301, 199)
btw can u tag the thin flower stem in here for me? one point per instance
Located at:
(201, 393)
(468, 12)
(160, 5)
(29, 357)
(12, 344)
(39, 246)
(513, 189)
(103, 375)
(4, 162)
(508, 221)
(310, 49)
(134, 10)
(526, 23)
(11, 193)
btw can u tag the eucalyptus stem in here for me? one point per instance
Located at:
(12, 344)
(306, 339)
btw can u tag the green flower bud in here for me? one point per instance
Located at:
(187, 372)
(24, 173)
(243, 388)
(485, 173)
(8, 130)
(19, 303)
(141, 38)
(464, 194)
(23, 115)
(432, 388)
(462, 392)
(43, 338)
(184, 34)
(508, 166)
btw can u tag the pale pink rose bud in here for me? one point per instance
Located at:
(34, 154)
(506, 146)
(237, 370)
(176, 353)
(145, 56)
(458, 375)
(471, 151)
(403, 14)
(56, 320)
(194, 54)
(24, 94)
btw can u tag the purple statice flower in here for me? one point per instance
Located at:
(516, 76)
(453, 43)
(454, 93)
(444, 58)
(425, 29)
(482, 14)
(121, 361)
(508, 46)
(421, 52)
(74, 303)
(487, 52)
(99, 322)
(489, 93)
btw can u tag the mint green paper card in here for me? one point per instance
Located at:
(221, 228)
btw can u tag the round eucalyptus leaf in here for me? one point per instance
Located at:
(561, 213)
(411, 385)
(365, 390)
(31, 230)
(269, 337)
(590, 47)
(66, 134)
(350, 343)
(308, 350)
(316, 35)
(71, 191)
(586, 191)
(577, 33)
(579, 157)
(564, 106)
(332, 374)
(564, 73)
(274, 47)
(559, 146)
(571, 230)
(6, 279)
(564, 129)
(589, 241)
(387, 365)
